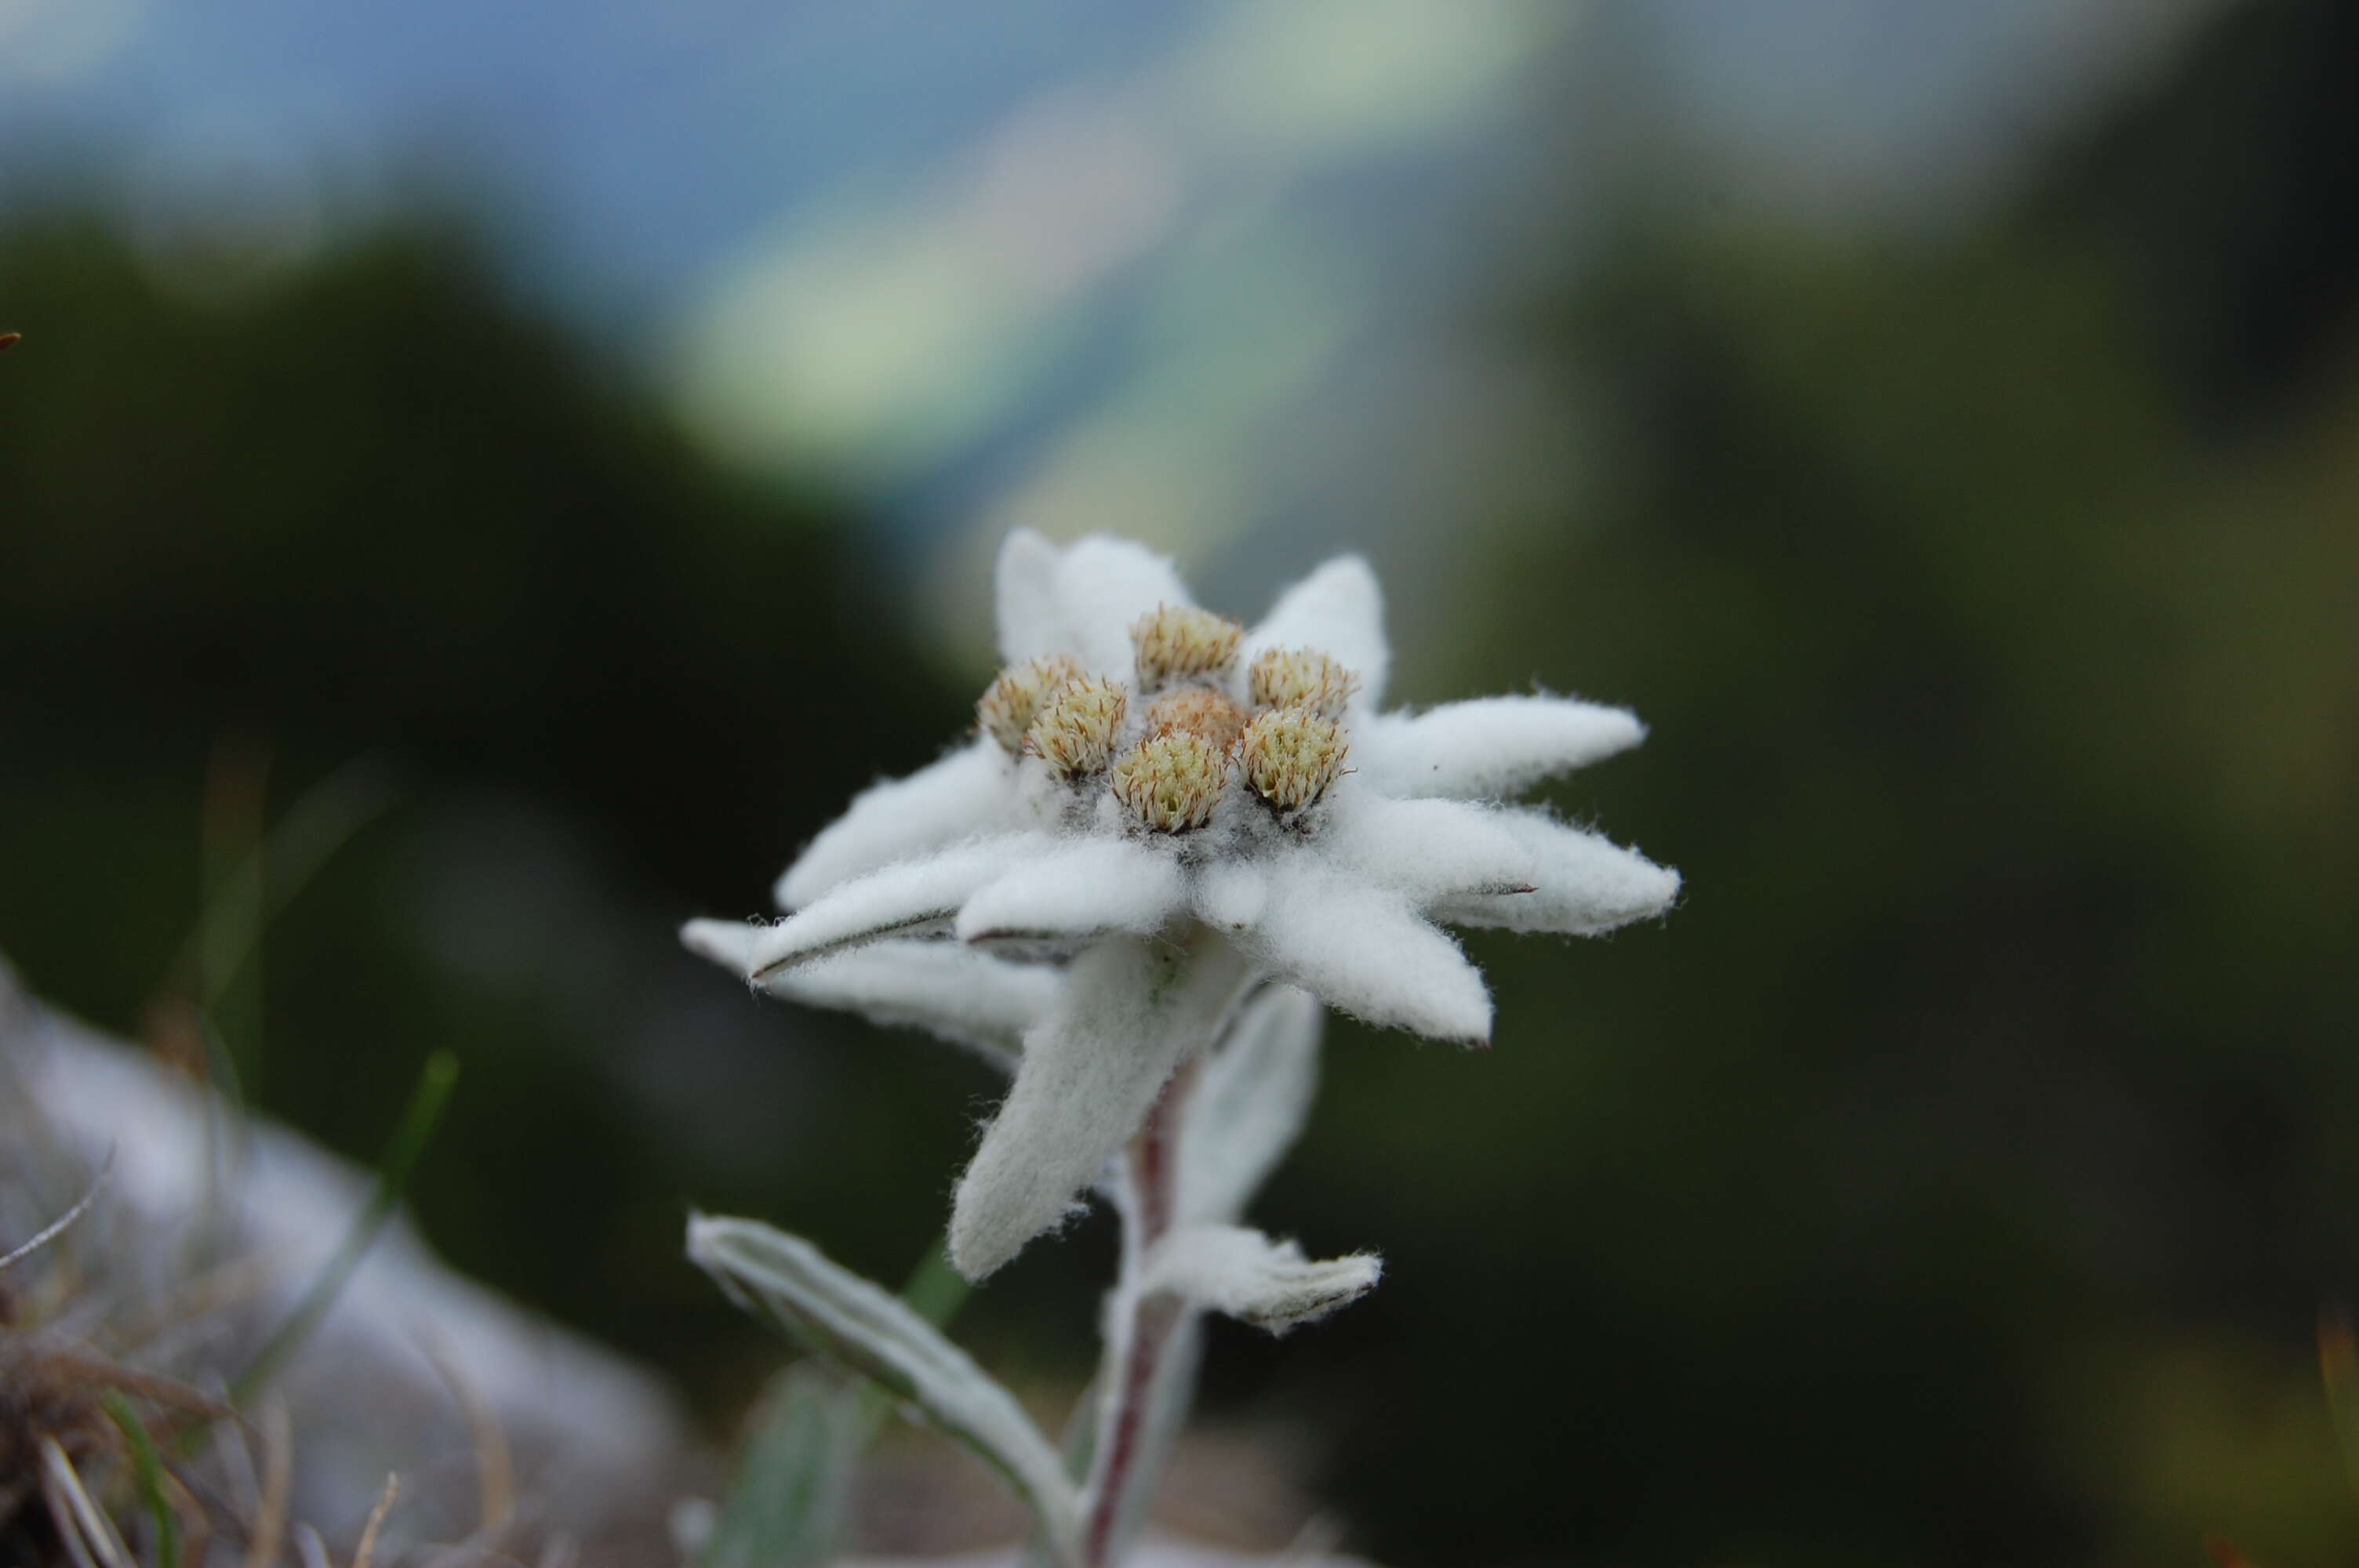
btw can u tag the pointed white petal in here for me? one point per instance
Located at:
(1582, 884)
(909, 898)
(1250, 1103)
(1243, 1273)
(1083, 887)
(1425, 848)
(971, 790)
(1490, 748)
(1228, 894)
(953, 993)
(1103, 585)
(853, 1322)
(1359, 948)
(1129, 1012)
(1031, 625)
(728, 942)
(1339, 609)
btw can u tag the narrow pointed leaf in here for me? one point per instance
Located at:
(866, 1328)
(792, 1485)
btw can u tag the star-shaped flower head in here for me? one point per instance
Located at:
(1174, 807)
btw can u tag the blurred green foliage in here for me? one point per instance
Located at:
(2005, 735)
(369, 510)
(1954, 1178)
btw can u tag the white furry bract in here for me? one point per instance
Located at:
(1429, 848)
(968, 792)
(1031, 622)
(1103, 588)
(1250, 1103)
(1237, 1271)
(1331, 867)
(1491, 747)
(1130, 1013)
(908, 898)
(1084, 887)
(951, 992)
(1340, 611)
(1583, 883)
(1360, 948)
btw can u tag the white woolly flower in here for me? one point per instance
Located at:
(1205, 807)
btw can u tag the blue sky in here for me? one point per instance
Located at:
(1200, 269)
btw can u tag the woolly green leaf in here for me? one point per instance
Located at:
(864, 1327)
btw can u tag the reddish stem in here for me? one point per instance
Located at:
(1154, 1169)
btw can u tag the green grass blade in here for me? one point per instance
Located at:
(251, 882)
(148, 1470)
(791, 1491)
(936, 1290)
(401, 1156)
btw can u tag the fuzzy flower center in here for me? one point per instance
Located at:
(1181, 643)
(1074, 731)
(1291, 756)
(1197, 712)
(1171, 782)
(1300, 678)
(1006, 708)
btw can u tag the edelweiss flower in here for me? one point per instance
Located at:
(1174, 808)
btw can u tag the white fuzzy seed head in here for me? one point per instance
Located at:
(1181, 643)
(1171, 782)
(1197, 712)
(1291, 756)
(1300, 678)
(1006, 708)
(1074, 731)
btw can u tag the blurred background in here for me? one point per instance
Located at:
(530, 464)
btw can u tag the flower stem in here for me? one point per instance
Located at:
(1142, 1330)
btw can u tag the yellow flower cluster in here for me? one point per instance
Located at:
(1291, 755)
(1074, 731)
(1006, 708)
(1200, 712)
(1181, 643)
(1171, 782)
(1300, 678)
(1288, 745)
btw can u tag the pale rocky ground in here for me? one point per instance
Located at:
(174, 1270)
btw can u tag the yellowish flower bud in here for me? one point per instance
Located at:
(1006, 708)
(1171, 782)
(1291, 756)
(1300, 678)
(1073, 732)
(1197, 712)
(1177, 642)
